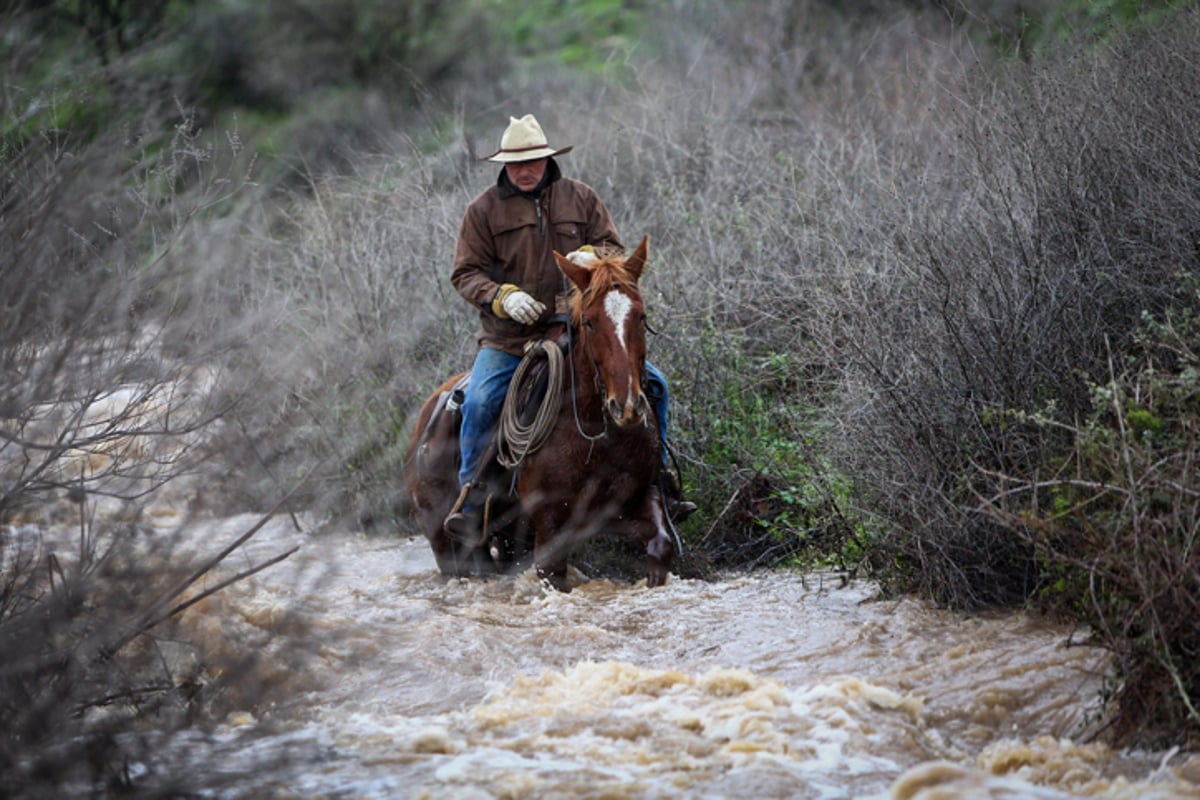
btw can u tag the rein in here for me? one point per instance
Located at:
(575, 397)
(515, 440)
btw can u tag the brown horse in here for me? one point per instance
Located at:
(597, 470)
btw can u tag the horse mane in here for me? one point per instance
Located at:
(606, 272)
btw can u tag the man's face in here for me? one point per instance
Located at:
(526, 175)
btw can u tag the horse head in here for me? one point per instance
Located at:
(608, 313)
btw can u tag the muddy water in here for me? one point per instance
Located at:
(772, 684)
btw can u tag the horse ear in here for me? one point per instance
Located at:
(580, 276)
(637, 262)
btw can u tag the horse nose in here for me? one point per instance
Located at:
(627, 413)
(615, 411)
(639, 407)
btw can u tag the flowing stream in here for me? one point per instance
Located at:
(770, 684)
(758, 685)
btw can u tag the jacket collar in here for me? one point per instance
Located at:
(508, 189)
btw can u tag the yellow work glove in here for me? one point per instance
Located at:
(511, 302)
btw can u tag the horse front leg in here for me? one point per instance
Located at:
(551, 543)
(651, 530)
(559, 524)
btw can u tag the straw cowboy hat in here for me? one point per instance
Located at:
(523, 140)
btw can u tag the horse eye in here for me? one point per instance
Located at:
(587, 323)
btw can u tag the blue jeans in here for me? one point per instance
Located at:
(490, 376)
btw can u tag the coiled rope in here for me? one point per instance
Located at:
(515, 441)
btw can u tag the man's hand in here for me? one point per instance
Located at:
(513, 303)
(522, 307)
(584, 256)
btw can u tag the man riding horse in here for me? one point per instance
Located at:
(504, 267)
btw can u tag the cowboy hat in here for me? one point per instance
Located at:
(523, 140)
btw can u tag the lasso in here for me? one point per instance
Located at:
(515, 441)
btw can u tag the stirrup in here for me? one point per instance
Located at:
(463, 526)
(677, 508)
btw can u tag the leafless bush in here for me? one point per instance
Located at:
(104, 390)
(1114, 520)
(925, 243)
(107, 366)
(359, 326)
(1067, 209)
(764, 170)
(283, 50)
(103, 664)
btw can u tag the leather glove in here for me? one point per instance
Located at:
(584, 256)
(513, 303)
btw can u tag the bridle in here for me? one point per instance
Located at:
(591, 355)
(600, 387)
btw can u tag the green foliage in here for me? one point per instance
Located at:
(81, 108)
(1089, 20)
(316, 78)
(367, 492)
(793, 506)
(115, 27)
(584, 34)
(1102, 18)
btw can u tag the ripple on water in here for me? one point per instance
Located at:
(759, 685)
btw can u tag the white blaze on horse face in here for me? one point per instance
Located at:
(617, 306)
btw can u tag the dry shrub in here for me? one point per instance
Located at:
(763, 173)
(107, 362)
(106, 344)
(1114, 522)
(945, 253)
(104, 689)
(356, 328)
(1059, 212)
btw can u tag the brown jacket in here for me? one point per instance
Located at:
(507, 237)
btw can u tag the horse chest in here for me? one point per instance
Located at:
(621, 463)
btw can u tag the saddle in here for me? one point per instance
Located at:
(526, 394)
(533, 397)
